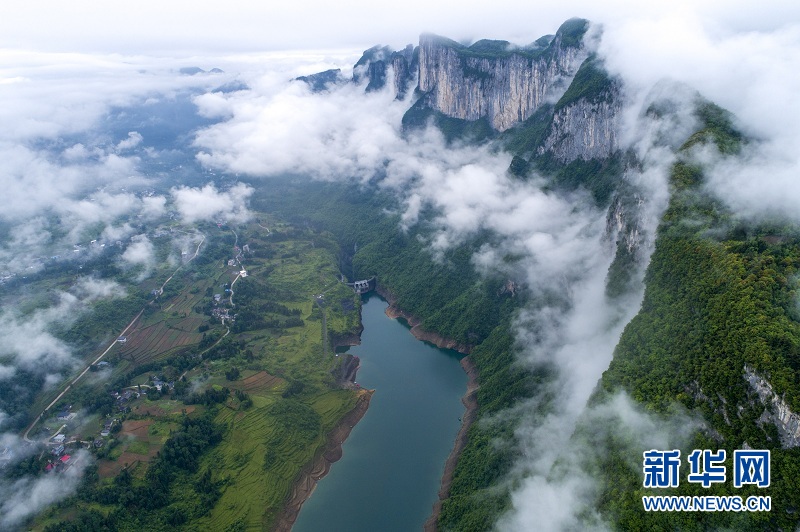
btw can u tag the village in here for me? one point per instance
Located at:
(64, 434)
(61, 436)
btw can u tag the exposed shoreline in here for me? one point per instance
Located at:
(416, 329)
(307, 481)
(469, 399)
(321, 464)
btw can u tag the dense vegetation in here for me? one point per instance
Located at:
(720, 298)
(242, 408)
(146, 504)
(452, 300)
(591, 83)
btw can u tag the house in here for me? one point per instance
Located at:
(63, 415)
(122, 339)
(217, 297)
(243, 273)
(58, 450)
(65, 458)
(105, 433)
(103, 364)
(59, 438)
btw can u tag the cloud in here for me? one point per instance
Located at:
(560, 496)
(61, 155)
(140, 254)
(133, 140)
(280, 127)
(208, 203)
(28, 495)
(752, 74)
(152, 26)
(91, 289)
(154, 206)
(30, 341)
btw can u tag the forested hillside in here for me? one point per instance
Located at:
(452, 300)
(720, 303)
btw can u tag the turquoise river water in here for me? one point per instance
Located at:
(389, 476)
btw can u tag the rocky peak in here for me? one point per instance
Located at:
(586, 117)
(496, 80)
(375, 63)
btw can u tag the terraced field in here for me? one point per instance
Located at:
(262, 456)
(268, 385)
(149, 343)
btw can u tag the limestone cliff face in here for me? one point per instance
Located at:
(788, 422)
(624, 220)
(490, 80)
(375, 66)
(584, 130)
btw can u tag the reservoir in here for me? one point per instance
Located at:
(389, 475)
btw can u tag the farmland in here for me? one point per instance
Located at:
(262, 378)
(147, 343)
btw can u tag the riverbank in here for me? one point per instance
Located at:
(321, 465)
(414, 322)
(469, 400)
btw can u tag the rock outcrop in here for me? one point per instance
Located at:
(493, 80)
(375, 65)
(584, 130)
(322, 80)
(787, 422)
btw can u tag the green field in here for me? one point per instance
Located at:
(263, 382)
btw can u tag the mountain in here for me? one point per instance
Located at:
(717, 337)
(492, 79)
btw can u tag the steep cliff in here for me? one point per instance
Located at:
(494, 80)
(787, 422)
(717, 333)
(586, 118)
(374, 65)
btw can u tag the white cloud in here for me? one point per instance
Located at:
(140, 252)
(151, 26)
(90, 289)
(28, 495)
(753, 74)
(30, 341)
(154, 206)
(208, 203)
(133, 140)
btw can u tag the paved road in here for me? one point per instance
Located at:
(104, 353)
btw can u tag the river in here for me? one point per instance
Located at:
(388, 478)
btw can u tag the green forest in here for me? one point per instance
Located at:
(720, 300)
